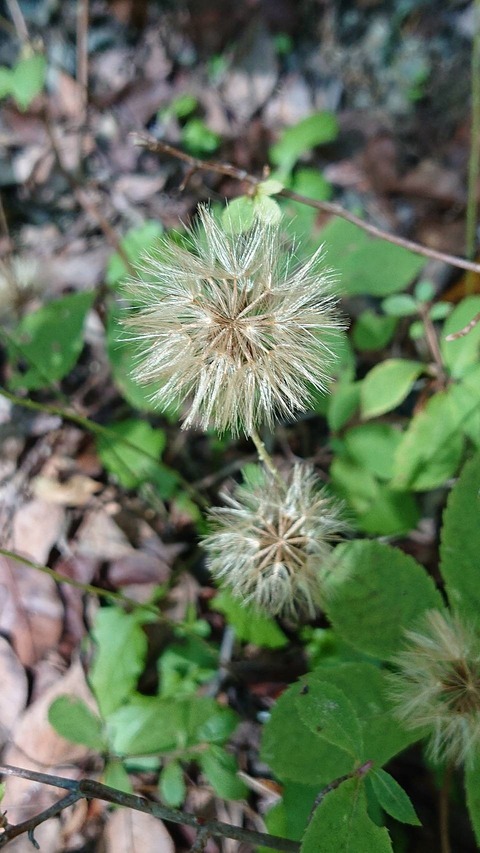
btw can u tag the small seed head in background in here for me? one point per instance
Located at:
(437, 686)
(270, 543)
(228, 326)
(19, 282)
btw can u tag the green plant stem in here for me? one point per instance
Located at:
(265, 457)
(474, 159)
(97, 429)
(89, 789)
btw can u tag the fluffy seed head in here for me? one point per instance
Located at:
(437, 686)
(270, 543)
(227, 325)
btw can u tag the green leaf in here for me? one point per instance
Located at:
(148, 725)
(392, 798)
(122, 357)
(440, 310)
(341, 823)
(367, 265)
(185, 665)
(198, 139)
(373, 447)
(115, 776)
(73, 720)
(460, 542)
(310, 182)
(172, 784)
(5, 81)
(293, 752)
(183, 105)
(424, 291)
(472, 787)
(342, 403)
(387, 385)
(2, 790)
(28, 79)
(431, 448)
(289, 817)
(379, 510)
(120, 457)
(269, 187)
(317, 129)
(312, 757)
(400, 305)
(374, 592)
(460, 354)
(138, 240)
(239, 215)
(372, 332)
(221, 770)
(249, 625)
(50, 341)
(328, 712)
(267, 210)
(120, 656)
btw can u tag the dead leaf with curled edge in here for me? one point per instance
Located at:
(35, 745)
(76, 491)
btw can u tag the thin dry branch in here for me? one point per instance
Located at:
(195, 165)
(89, 789)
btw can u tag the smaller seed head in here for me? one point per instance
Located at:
(270, 543)
(437, 685)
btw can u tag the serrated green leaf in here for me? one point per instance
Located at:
(387, 385)
(28, 79)
(172, 784)
(367, 265)
(472, 787)
(239, 215)
(120, 656)
(317, 129)
(460, 542)
(249, 626)
(327, 712)
(341, 823)
(74, 721)
(431, 448)
(49, 340)
(315, 759)
(374, 592)
(400, 305)
(460, 354)
(392, 798)
(138, 240)
(372, 332)
(221, 770)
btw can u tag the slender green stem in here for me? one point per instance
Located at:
(265, 457)
(474, 160)
(97, 429)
